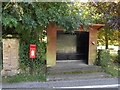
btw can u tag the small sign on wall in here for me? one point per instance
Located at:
(32, 51)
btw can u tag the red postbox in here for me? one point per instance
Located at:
(32, 51)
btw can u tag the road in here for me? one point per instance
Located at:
(71, 85)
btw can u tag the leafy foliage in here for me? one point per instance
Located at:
(108, 14)
(26, 17)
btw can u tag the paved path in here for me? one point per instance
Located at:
(75, 71)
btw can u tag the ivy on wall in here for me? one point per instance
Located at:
(37, 64)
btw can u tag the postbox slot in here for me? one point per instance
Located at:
(33, 46)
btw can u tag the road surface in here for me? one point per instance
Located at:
(65, 85)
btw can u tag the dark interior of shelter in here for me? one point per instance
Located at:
(72, 46)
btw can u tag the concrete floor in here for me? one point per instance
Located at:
(70, 64)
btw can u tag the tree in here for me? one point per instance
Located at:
(109, 12)
(111, 36)
(29, 17)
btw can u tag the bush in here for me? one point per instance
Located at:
(103, 57)
(109, 62)
(119, 56)
(114, 58)
(112, 69)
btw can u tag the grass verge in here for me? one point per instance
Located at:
(73, 72)
(23, 78)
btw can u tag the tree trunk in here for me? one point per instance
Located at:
(106, 38)
(106, 42)
(119, 39)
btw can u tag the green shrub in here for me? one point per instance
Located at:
(109, 62)
(119, 56)
(112, 69)
(103, 57)
(114, 58)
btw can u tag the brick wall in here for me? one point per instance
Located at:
(10, 56)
